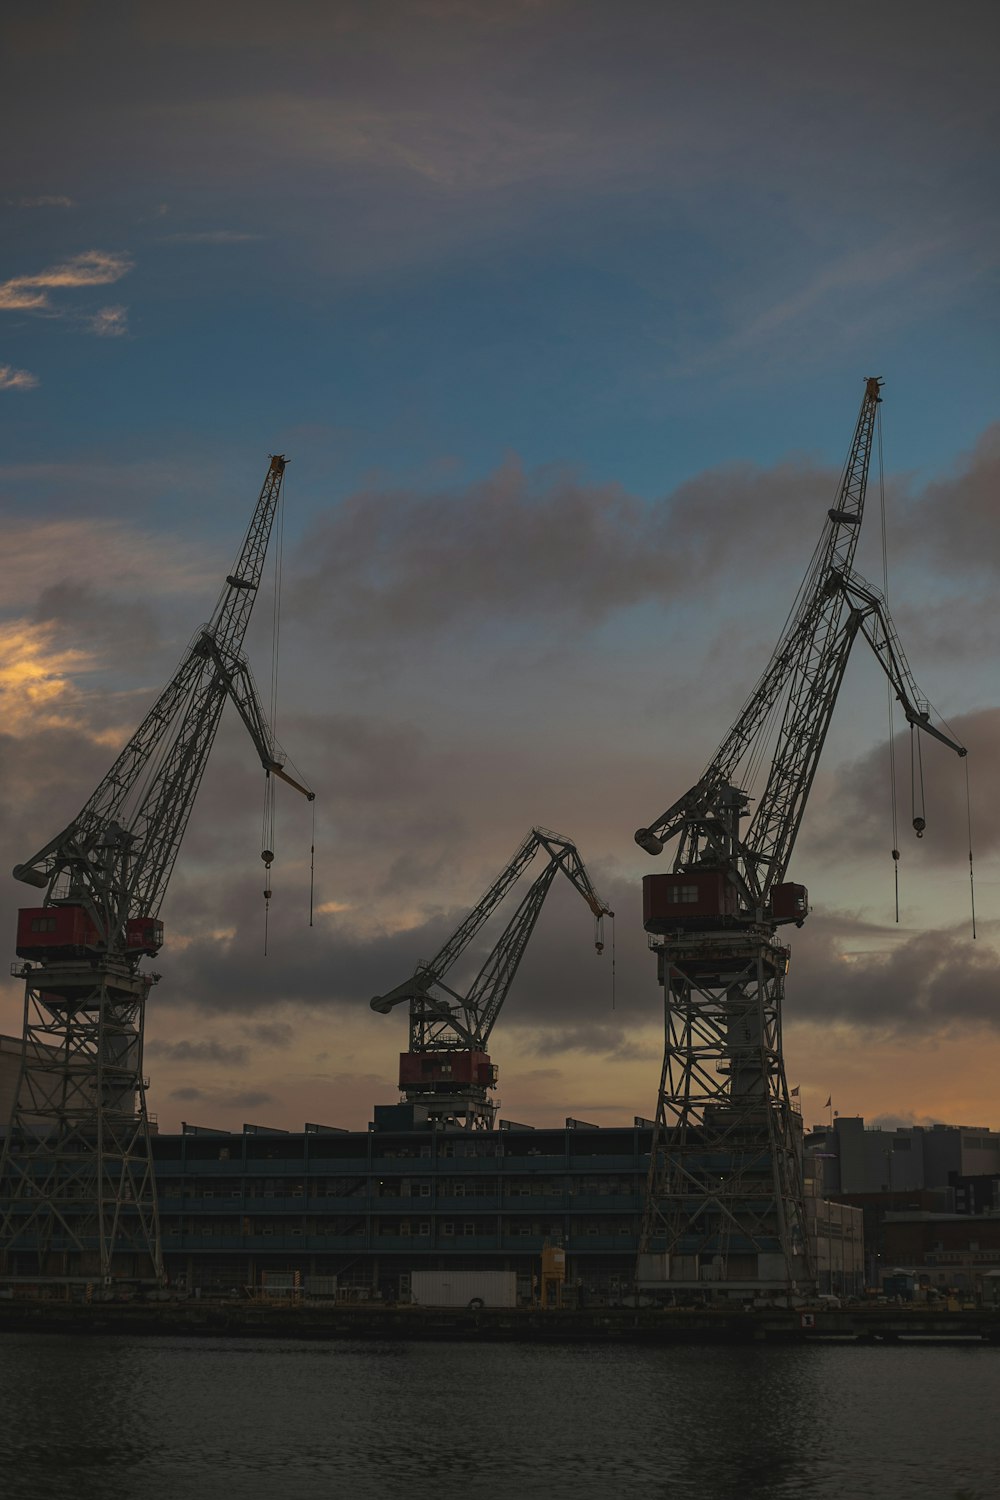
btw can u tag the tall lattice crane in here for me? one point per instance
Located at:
(447, 1068)
(725, 1193)
(76, 1170)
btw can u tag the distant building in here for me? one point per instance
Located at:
(861, 1158)
(912, 1175)
(958, 1252)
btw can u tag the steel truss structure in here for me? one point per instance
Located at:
(77, 1194)
(725, 1196)
(447, 1070)
(79, 1168)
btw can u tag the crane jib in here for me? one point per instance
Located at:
(806, 670)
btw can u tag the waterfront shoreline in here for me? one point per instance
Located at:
(861, 1325)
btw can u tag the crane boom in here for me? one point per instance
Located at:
(806, 669)
(142, 806)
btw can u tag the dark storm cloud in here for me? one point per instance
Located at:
(561, 982)
(328, 967)
(36, 799)
(81, 613)
(929, 983)
(209, 1050)
(612, 1042)
(402, 564)
(855, 815)
(956, 521)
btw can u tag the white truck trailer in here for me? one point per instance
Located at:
(464, 1288)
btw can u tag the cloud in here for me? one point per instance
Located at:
(211, 237)
(89, 268)
(45, 558)
(609, 1041)
(16, 380)
(44, 200)
(276, 1034)
(223, 1097)
(38, 688)
(208, 1050)
(955, 521)
(927, 983)
(544, 545)
(109, 322)
(854, 817)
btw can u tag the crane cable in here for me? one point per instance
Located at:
(968, 815)
(917, 803)
(267, 821)
(888, 684)
(916, 753)
(312, 863)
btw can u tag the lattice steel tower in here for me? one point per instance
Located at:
(725, 1197)
(77, 1194)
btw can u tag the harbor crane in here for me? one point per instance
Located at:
(76, 1172)
(447, 1069)
(725, 1196)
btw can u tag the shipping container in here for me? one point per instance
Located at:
(321, 1286)
(653, 1269)
(672, 901)
(464, 1288)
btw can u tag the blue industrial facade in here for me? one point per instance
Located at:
(370, 1207)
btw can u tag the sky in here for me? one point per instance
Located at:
(561, 312)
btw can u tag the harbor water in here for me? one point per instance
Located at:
(126, 1418)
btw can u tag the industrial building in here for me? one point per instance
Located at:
(371, 1207)
(863, 1159)
(929, 1195)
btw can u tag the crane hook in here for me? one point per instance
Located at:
(919, 825)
